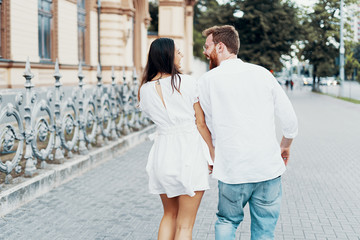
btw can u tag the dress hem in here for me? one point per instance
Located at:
(179, 194)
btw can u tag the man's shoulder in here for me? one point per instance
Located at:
(255, 67)
(209, 74)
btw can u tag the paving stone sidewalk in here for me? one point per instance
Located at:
(321, 189)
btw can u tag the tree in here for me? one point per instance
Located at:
(321, 38)
(267, 31)
(267, 28)
(208, 13)
(352, 63)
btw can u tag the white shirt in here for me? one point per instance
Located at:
(240, 101)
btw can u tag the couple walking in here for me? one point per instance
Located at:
(224, 124)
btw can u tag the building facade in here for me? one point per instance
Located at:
(109, 32)
(355, 21)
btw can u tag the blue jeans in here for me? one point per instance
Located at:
(264, 200)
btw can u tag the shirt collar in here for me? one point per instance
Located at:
(230, 61)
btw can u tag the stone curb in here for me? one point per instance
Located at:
(24, 190)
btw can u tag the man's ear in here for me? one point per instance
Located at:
(217, 48)
(220, 47)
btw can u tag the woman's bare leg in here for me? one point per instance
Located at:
(168, 221)
(188, 207)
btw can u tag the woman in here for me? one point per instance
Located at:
(177, 164)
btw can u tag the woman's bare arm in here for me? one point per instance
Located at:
(203, 129)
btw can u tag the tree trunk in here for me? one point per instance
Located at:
(315, 85)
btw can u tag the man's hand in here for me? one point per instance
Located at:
(210, 167)
(285, 149)
(212, 155)
(285, 154)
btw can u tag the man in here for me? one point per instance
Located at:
(240, 102)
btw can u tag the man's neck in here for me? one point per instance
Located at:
(227, 57)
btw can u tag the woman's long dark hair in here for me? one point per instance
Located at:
(161, 60)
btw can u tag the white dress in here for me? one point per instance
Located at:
(177, 163)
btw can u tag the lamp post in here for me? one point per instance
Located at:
(342, 49)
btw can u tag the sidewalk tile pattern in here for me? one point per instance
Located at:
(321, 189)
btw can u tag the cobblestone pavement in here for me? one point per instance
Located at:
(320, 198)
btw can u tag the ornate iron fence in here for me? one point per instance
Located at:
(45, 129)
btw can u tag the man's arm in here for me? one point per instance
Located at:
(284, 111)
(286, 114)
(285, 149)
(205, 101)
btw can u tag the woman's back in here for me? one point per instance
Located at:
(176, 108)
(177, 163)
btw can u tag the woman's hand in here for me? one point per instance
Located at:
(210, 167)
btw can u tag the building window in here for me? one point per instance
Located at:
(45, 17)
(81, 29)
(1, 32)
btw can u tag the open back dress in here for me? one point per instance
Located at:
(177, 162)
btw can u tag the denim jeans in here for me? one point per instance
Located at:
(264, 200)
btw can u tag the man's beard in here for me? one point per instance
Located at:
(213, 59)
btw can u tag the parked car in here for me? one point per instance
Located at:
(323, 82)
(307, 81)
(329, 81)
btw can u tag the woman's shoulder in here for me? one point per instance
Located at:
(144, 88)
(187, 80)
(187, 77)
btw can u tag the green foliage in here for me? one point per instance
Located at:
(267, 28)
(352, 55)
(356, 50)
(208, 13)
(199, 41)
(321, 34)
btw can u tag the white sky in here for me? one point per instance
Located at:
(305, 2)
(299, 2)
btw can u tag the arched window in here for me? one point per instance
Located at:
(45, 17)
(81, 13)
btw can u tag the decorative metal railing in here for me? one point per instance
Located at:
(33, 129)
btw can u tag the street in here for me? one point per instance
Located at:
(321, 189)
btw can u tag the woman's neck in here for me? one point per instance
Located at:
(160, 75)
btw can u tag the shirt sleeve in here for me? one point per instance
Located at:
(205, 102)
(284, 111)
(142, 106)
(141, 103)
(204, 94)
(194, 92)
(139, 106)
